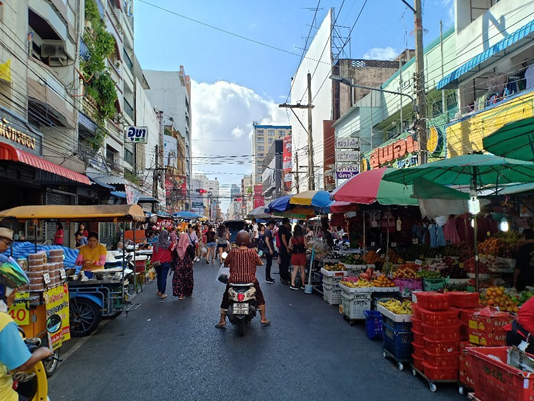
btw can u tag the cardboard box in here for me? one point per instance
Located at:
(489, 323)
(487, 339)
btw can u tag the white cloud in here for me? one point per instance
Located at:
(222, 115)
(449, 5)
(381, 53)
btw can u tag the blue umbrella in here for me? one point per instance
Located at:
(184, 214)
(279, 205)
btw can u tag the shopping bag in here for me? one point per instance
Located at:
(223, 274)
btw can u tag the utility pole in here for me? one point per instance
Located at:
(297, 184)
(420, 77)
(309, 106)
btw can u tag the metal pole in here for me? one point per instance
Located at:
(311, 165)
(123, 256)
(475, 234)
(134, 258)
(400, 90)
(420, 77)
(364, 237)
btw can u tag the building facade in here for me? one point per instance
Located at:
(263, 137)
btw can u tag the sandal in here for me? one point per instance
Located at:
(265, 324)
(220, 326)
(158, 294)
(164, 296)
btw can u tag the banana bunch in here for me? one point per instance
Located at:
(358, 284)
(398, 307)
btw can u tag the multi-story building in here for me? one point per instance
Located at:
(247, 189)
(211, 198)
(272, 171)
(263, 137)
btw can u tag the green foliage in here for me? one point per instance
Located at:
(131, 177)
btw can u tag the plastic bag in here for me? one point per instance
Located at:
(223, 274)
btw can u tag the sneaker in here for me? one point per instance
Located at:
(269, 281)
(292, 287)
(302, 287)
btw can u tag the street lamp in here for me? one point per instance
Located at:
(347, 82)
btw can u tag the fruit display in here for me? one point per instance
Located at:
(398, 307)
(420, 251)
(383, 281)
(496, 296)
(407, 270)
(497, 247)
(367, 275)
(428, 274)
(360, 283)
(335, 267)
(371, 258)
(393, 257)
(353, 260)
(522, 297)
(469, 266)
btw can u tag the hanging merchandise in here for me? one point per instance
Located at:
(450, 232)
(374, 216)
(399, 224)
(437, 238)
(388, 222)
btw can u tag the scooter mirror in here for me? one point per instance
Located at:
(53, 324)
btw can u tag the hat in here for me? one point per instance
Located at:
(6, 233)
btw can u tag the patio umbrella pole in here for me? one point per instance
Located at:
(364, 239)
(475, 234)
(387, 238)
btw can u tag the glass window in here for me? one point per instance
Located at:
(260, 148)
(259, 132)
(270, 132)
(281, 132)
(271, 140)
(260, 139)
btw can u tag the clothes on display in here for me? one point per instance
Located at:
(451, 232)
(436, 236)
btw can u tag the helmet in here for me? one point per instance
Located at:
(11, 274)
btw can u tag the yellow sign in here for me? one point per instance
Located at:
(5, 71)
(465, 136)
(57, 314)
(19, 311)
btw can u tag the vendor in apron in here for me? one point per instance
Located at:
(93, 255)
(522, 328)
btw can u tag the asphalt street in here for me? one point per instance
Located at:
(171, 350)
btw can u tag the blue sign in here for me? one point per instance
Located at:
(137, 134)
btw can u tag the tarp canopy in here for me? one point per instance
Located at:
(426, 189)
(76, 212)
(515, 140)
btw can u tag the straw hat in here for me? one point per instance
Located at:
(6, 233)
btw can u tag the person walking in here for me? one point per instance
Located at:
(524, 267)
(298, 245)
(211, 244)
(284, 233)
(223, 235)
(269, 251)
(193, 240)
(255, 233)
(161, 261)
(183, 281)
(58, 236)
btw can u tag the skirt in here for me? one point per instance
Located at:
(298, 259)
(182, 281)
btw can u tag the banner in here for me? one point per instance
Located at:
(57, 314)
(175, 187)
(136, 134)
(19, 311)
(287, 163)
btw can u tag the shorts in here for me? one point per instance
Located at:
(211, 244)
(222, 245)
(298, 259)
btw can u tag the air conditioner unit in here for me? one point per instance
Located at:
(54, 49)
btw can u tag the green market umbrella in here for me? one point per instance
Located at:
(514, 140)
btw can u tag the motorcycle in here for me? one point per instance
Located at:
(243, 306)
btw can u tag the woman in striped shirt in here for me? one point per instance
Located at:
(243, 262)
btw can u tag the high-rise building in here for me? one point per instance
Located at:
(262, 139)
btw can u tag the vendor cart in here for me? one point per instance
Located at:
(105, 294)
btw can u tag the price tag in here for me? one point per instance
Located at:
(46, 277)
(418, 262)
(62, 274)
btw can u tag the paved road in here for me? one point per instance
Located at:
(171, 351)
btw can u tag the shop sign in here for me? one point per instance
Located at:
(346, 172)
(57, 314)
(18, 137)
(396, 150)
(19, 311)
(347, 143)
(199, 205)
(137, 134)
(347, 156)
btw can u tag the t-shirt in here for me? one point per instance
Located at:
(210, 237)
(255, 231)
(242, 263)
(13, 353)
(59, 240)
(193, 239)
(525, 263)
(328, 238)
(283, 230)
(81, 242)
(268, 234)
(98, 253)
(525, 316)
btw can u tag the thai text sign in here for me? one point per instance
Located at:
(346, 172)
(137, 134)
(393, 151)
(19, 311)
(16, 136)
(347, 156)
(347, 143)
(57, 314)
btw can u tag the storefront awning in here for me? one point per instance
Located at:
(8, 152)
(485, 58)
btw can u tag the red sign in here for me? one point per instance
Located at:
(393, 151)
(259, 200)
(175, 186)
(287, 163)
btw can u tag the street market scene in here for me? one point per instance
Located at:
(337, 203)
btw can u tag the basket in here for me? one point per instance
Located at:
(466, 314)
(331, 294)
(418, 350)
(418, 362)
(418, 337)
(373, 324)
(442, 332)
(449, 360)
(463, 299)
(416, 312)
(434, 284)
(417, 325)
(434, 373)
(332, 280)
(355, 304)
(398, 343)
(497, 381)
(398, 326)
(447, 317)
(433, 300)
(328, 273)
(442, 346)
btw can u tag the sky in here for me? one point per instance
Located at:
(241, 55)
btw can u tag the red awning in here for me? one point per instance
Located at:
(8, 152)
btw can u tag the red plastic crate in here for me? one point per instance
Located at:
(417, 324)
(449, 360)
(433, 300)
(466, 313)
(419, 350)
(416, 313)
(463, 299)
(497, 381)
(448, 317)
(434, 373)
(418, 337)
(441, 346)
(442, 332)
(418, 362)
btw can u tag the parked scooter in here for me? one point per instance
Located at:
(243, 306)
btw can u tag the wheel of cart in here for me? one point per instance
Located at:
(463, 388)
(400, 362)
(432, 384)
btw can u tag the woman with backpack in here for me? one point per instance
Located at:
(297, 246)
(161, 261)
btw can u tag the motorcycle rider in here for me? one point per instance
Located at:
(243, 262)
(14, 355)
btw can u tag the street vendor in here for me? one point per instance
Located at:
(93, 255)
(14, 355)
(522, 328)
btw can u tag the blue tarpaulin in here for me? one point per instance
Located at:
(23, 249)
(476, 61)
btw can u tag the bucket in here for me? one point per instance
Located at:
(308, 289)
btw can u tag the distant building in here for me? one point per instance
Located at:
(262, 139)
(272, 173)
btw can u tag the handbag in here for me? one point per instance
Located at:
(156, 263)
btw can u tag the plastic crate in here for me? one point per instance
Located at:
(418, 350)
(441, 373)
(397, 326)
(332, 294)
(463, 299)
(416, 311)
(449, 360)
(418, 337)
(434, 284)
(442, 332)
(355, 304)
(498, 381)
(328, 273)
(373, 324)
(442, 346)
(399, 343)
(448, 317)
(418, 362)
(332, 280)
(417, 325)
(432, 300)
